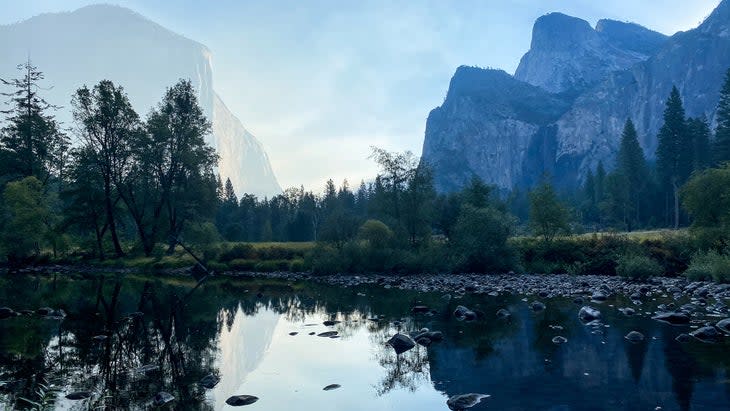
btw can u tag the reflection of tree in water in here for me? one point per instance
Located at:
(404, 371)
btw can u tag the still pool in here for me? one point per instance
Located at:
(118, 342)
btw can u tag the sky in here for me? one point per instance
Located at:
(319, 82)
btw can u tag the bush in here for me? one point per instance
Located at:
(638, 267)
(375, 233)
(297, 266)
(710, 265)
(237, 251)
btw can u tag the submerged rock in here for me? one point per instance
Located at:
(683, 338)
(634, 336)
(240, 400)
(465, 401)
(401, 343)
(331, 387)
(327, 334)
(588, 314)
(674, 318)
(419, 309)
(330, 323)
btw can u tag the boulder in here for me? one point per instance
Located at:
(588, 314)
(401, 343)
(240, 400)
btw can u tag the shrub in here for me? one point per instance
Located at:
(637, 267)
(237, 251)
(375, 233)
(297, 266)
(325, 259)
(710, 265)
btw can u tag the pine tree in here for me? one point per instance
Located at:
(31, 144)
(588, 205)
(229, 194)
(721, 147)
(699, 129)
(674, 153)
(632, 165)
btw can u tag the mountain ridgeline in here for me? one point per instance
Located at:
(109, 42)
(564, 109)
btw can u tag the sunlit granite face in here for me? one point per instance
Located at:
(255, 337)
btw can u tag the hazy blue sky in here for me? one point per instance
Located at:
(318, 82)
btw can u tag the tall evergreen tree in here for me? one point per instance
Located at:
(674, 152)
(31, 144)
(632, 165)
(699, 129)
(721, 146)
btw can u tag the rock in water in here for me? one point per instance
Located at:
(331, 387)
(724, 325)
(78, 395)
(706, 334)
(635, 336)
(559, 340)
(537, 306)
(209, 381)
(401, 343)
(674, 318)
(463, 313)
(683, 338)
(327, 334)
(240, 400)
(465, 401)
(503, 314)
(588, 314)
(162, 398)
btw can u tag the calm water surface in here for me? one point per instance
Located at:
(240, 330)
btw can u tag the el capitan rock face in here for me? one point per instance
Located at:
(143, 57)
(589, 81)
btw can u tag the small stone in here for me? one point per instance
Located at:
(559, 340)
(634, 336)
(327, 334)
(588, 314)
(464, 401)
(240, 400)
(331, 387)
(537, 306)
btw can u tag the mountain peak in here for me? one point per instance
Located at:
(560, 31)
(630, 36)
(718, 22)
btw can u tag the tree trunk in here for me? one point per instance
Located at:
(676, 205)
(110, 219)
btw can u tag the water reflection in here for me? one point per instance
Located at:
(127, 339)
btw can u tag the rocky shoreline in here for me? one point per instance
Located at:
(590, 287)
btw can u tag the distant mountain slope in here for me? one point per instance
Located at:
(110, 42)
(591, 81)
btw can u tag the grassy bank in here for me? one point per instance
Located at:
(636, 255)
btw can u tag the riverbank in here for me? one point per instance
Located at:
(584, 287)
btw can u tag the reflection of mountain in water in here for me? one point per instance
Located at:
(242, 347)
(590, 372)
